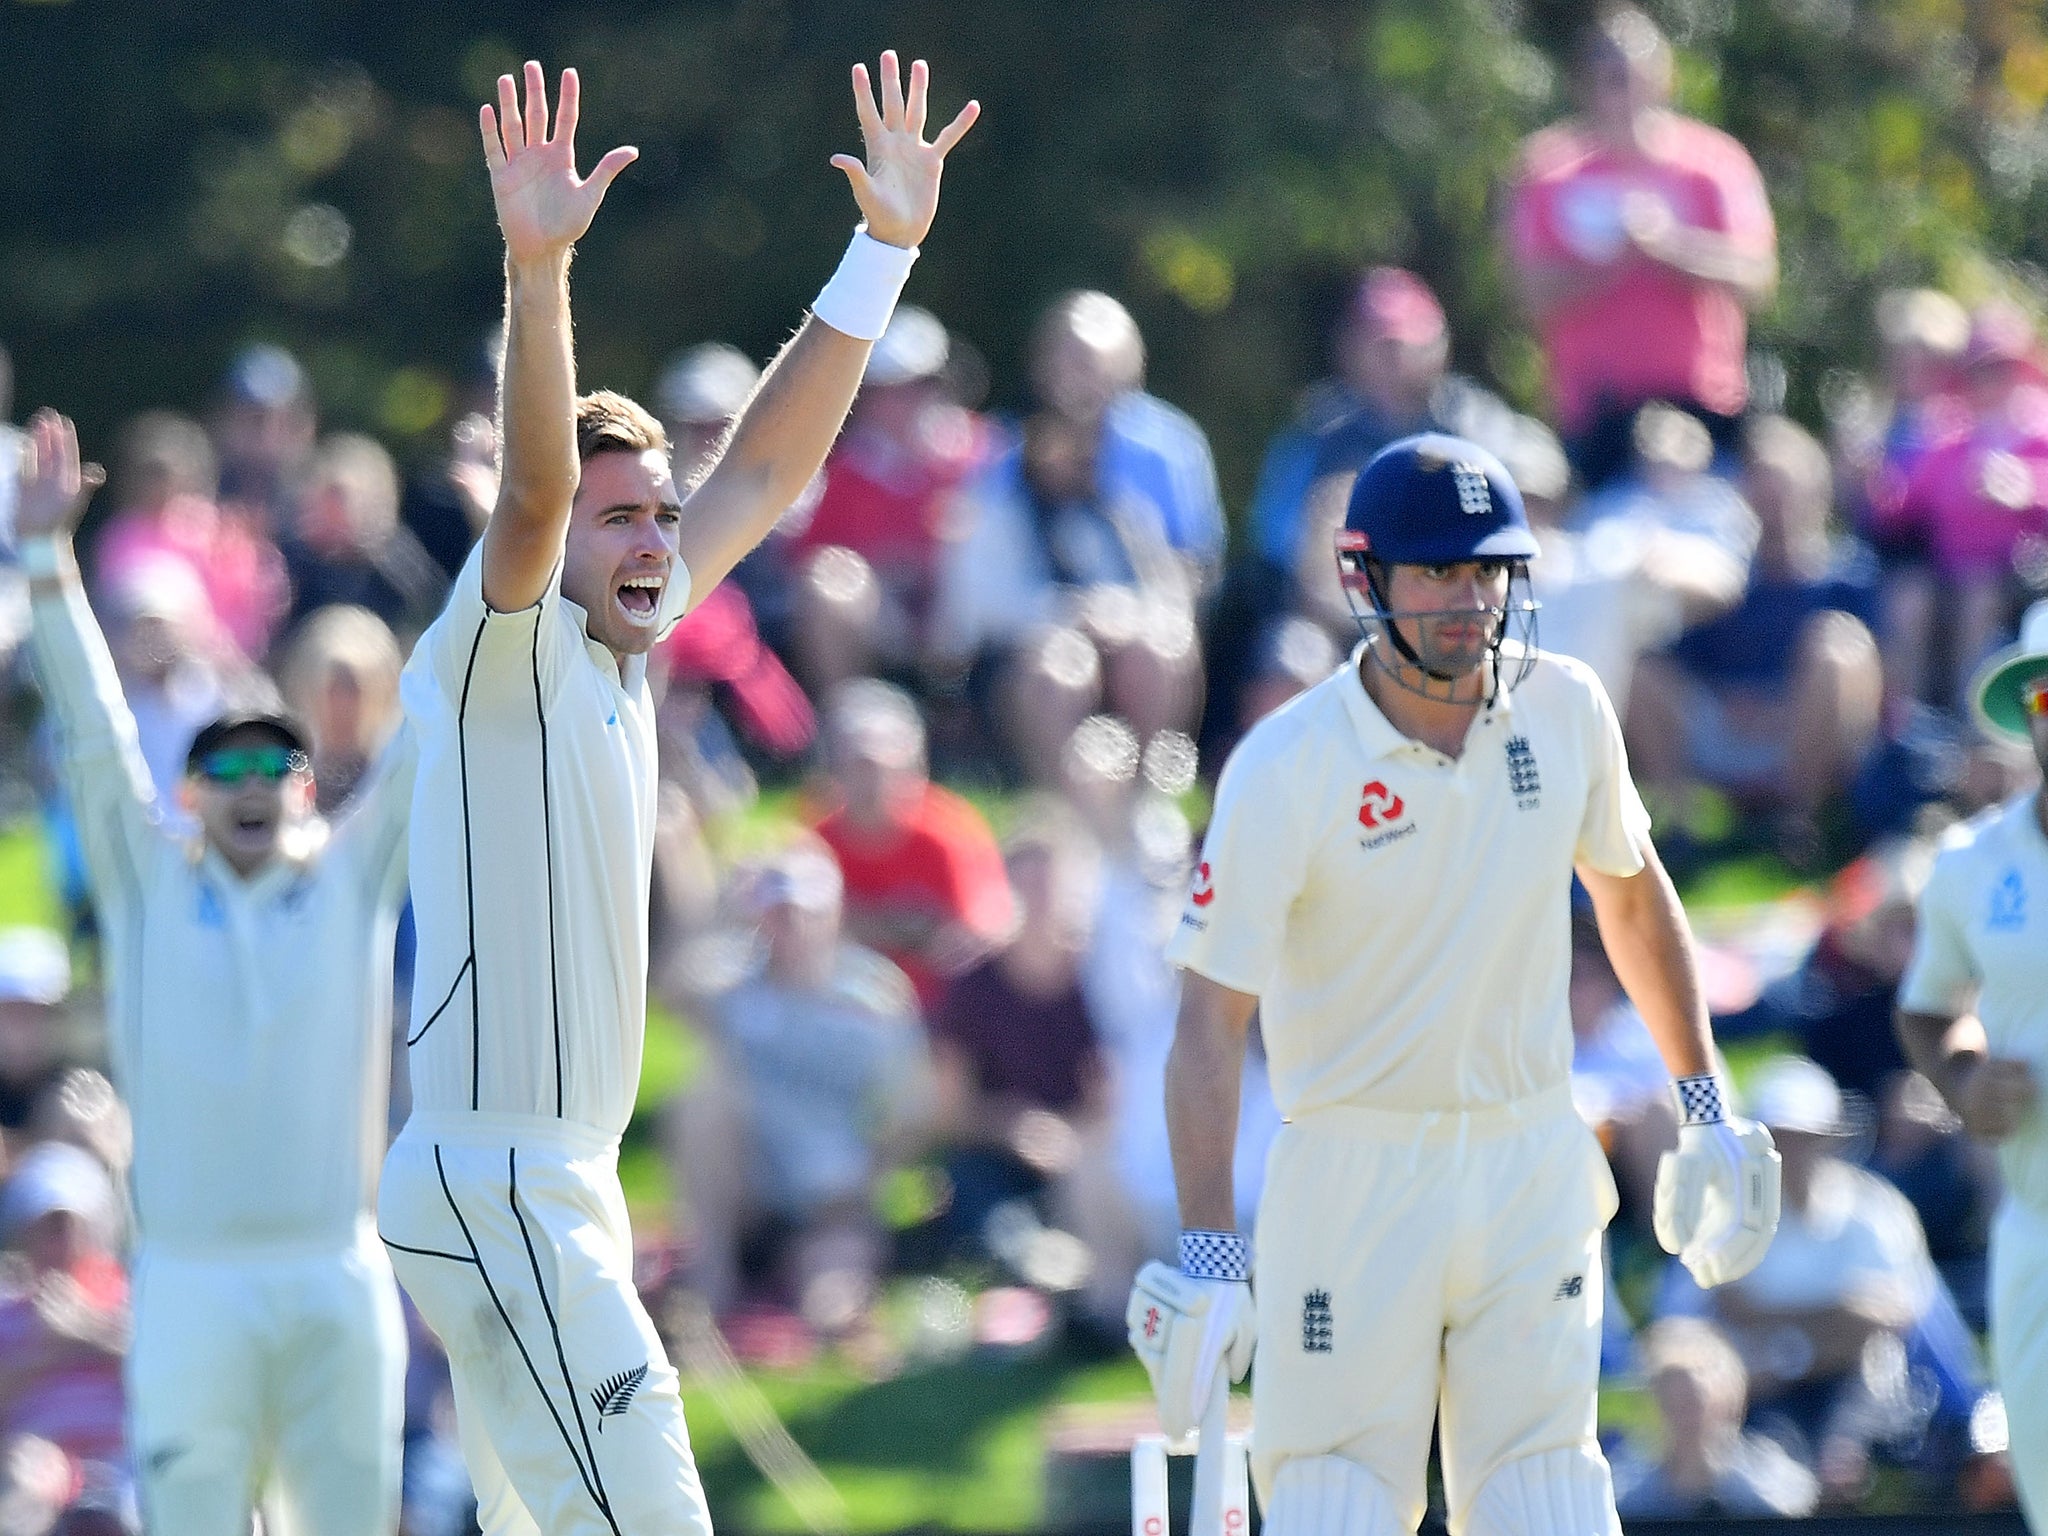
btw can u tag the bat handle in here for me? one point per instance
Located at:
(1212, 1453)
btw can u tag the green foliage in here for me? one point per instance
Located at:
(188, 178)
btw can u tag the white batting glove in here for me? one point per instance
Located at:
(1189, 1323)
(1716, 1200)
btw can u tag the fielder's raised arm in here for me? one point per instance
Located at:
(783, 435)
(543, 207)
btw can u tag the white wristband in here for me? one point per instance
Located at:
(41, 557)
(862, 294)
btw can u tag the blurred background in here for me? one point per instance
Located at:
(935, 760)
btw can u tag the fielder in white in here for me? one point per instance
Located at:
(534, 826)
(248, 974)
(1387, 881)
(1973, 1016)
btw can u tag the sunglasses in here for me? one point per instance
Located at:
(230, 766)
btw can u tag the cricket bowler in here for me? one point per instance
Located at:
(534, 821)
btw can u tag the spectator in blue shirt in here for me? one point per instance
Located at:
(1072, 562)
(1776, 701)
(1392, 354)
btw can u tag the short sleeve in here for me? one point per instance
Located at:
(1234, 924)
(484, 660)
(976, 882)
(1744, 205)
(1615, 828)
(1941, 975)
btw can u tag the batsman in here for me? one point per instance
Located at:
(1387, 881)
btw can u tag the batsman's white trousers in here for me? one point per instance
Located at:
(1411, 1263)
(509, 1232)
(271, 1378)
(2019, 1346)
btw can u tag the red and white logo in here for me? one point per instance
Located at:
(1381, 807)
(1205, 889)
(1151, 1322)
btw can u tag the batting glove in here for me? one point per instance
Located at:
(1189, 1323)
(1716, 1200)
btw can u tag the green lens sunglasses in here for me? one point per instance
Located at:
(234, 765)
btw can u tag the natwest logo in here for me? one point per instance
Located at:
(1380, 807)
(1205, 889)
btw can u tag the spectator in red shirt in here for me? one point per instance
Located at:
(63, 1314)
(924, 878)
(1640, 239)
(1969, 517)
(868, 556)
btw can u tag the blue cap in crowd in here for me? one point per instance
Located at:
(1434, 499)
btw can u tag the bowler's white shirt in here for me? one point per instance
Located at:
(1404, 917)
(1983, 942)
(249, 1020)
(533, 849)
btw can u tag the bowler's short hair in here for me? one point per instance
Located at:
(607, 422)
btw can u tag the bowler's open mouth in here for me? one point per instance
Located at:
(640, 596)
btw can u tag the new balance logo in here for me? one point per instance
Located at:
(1315, 1323)
(1524, 782)
(163, 1456)
(1569, 1288)
(1152, 1320)
(614, 1396)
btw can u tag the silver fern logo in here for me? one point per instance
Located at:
(614, 1396)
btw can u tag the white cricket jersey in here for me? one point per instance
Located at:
(1404, 917)
(1983, 941)
(533, 849)
(249, 1020)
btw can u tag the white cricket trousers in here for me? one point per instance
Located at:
(1411, 1264)
(2019, 1346)
(269, 1378)
(509, 1233)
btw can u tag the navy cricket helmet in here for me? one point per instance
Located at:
(1436, 500)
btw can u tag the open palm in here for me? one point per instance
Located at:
(898, 186)
(543, 205)
(54, 486)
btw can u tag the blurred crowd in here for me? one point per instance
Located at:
(932, 763)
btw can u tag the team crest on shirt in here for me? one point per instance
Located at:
(1383, 814)
(1316, 1323)
(1524, 782)
(1201, 893)
(615, 1395)
(2008, 904)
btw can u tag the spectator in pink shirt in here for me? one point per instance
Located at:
(1970, 518)
(168, 510)
(1640, 240)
